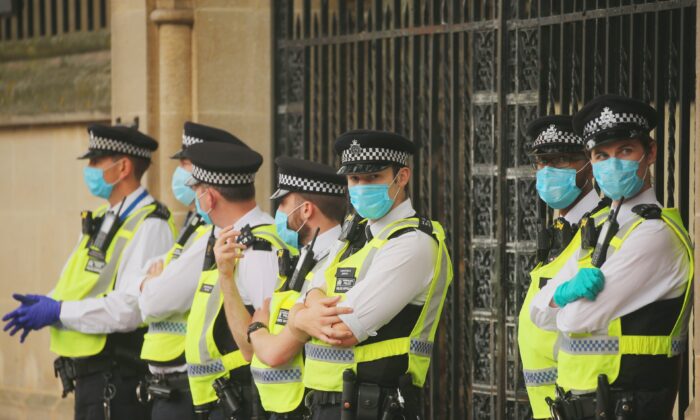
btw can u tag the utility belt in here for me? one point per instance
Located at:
(69, 369)
(605, 403)
(369, 401)
(233, 397)
(164, 386)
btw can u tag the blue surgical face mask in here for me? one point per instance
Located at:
(289, 236)
(372, 201)
(202, 213)
(181, 191)
(557, 187)
(618, 178)
(95, 181)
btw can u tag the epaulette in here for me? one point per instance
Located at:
(251, 241)
(425, 225)
(647, 211)
(160, 212)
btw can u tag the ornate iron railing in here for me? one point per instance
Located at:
(463, 79)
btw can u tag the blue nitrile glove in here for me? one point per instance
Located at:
(587, 283)
(13, 317)
(44, 311)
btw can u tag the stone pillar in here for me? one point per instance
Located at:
(693, 410)
(174, 21)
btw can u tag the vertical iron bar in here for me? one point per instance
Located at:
(660, 102)
(325, 92)
(306, 34)
(502, 199)
(360, 67)
(378, 67)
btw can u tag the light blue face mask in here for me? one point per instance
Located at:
(289, 236)
(618, 178)
(95, 181)
(557, 187)
(372, 201)
(202, 213)
(181, 191)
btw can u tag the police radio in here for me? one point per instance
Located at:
(610, 228)
(304, 265)
(108, 228)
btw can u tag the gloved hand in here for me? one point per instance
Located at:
(13, 317)
(35, 312)
(587, 283)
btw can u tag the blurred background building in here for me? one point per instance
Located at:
(460, 77)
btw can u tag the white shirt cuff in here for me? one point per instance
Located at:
(358, 330)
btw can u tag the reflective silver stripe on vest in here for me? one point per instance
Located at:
(212, 311)
(433, 306)
(608, 345)
(109, 271)
(421, 348)
(540, 377)
(382, 236)
(329, 354)
(179, 328)
(276, 376)
(205, 369)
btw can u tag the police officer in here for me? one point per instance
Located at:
(564, 183)
(223, 180)
(93, 310)
(311, 206)
(623, 318)
(168, 289)
(395, 285)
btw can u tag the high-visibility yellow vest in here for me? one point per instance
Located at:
(164, 343)
(325, 364)
(582, 357)
(89, 277)
(205, 361)
(281, 388)
(537, 346)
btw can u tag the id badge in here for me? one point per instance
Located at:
(344, 279)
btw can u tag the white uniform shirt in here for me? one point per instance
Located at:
(586, 204)
(256, 273)
(400, 274)
(118, 311)
(651, 265)
(172, 291)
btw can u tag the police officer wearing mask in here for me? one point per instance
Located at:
(219, 374)
(312, 204)
(564, 183)
(623, 325)
(168, 289)
(93, 310)
(372, 362)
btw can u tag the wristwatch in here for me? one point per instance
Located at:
(254, 327)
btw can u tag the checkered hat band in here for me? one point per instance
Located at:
(220, 178)
(609, 119)
(369, 154)
(117, 146)
(557, 137)
(188, 141)
(309, 185)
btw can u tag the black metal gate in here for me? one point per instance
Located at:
(462, 79)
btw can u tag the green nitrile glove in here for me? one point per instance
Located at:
(587, 283)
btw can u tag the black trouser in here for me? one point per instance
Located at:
(179, 405)
(89, 397)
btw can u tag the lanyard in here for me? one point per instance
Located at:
(129, 209)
